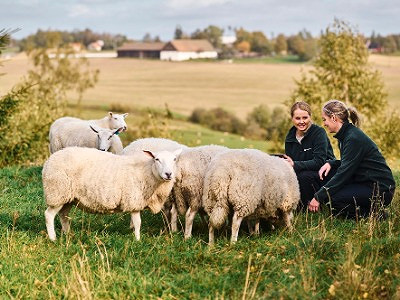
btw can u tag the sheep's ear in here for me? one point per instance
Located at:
(177, 152)
(125, 115)
(118, 131)
(93, 129)
(149, 153)
(110, 114)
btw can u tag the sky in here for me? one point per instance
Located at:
(135, 18)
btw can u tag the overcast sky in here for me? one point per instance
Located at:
(134, 18)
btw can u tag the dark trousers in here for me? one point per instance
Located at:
(359, 201)
(310, 183)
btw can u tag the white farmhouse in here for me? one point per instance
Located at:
(178, 50)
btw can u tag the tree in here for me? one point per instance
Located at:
(29, 109)
(259, 43)
(341, 71)
(280, 44)
(178, 34)
(212, 33)
(243, 46)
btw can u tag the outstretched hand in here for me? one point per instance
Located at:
(323, 172)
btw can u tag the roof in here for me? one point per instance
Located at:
(142, 46)
(189, 45)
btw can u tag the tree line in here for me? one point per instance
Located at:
(247, 44)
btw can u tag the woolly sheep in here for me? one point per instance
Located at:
(252, 183)
(158, 144)
(152, 144)
(102, 182)
(69, 131)
(188, 187)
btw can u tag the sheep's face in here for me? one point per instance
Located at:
(105, 137)
(117, 121)
(164, 166)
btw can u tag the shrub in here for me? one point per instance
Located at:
(36, 102)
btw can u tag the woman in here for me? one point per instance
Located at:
(307, 148)
(362, 175)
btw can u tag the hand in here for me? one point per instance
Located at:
(313, 205)
(288, 159)
(323, 172)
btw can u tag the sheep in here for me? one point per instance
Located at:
(157, 144)
(252, 183)
(153, 144)
(102, 182)
(69, 131)
(188, 187)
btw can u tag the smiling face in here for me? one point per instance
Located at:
(301, 120)
(332, 123)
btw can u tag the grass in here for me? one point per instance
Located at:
(323, 258)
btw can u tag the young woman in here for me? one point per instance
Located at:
(362, 175)
(307, 148)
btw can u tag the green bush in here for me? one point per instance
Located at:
(40, 98)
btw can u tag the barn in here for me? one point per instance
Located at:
(178, 50)
(140, 50)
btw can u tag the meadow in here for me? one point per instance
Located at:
(324, 258)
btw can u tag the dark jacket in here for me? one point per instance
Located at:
(313, 151)
(361, 162)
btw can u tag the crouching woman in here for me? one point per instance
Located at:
(307, 148)
(363, 177)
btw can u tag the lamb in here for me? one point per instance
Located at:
(76, 176)
(188, 188)
(69, 131)
(253, 184)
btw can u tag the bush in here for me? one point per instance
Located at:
(28, 111)
(217, 119)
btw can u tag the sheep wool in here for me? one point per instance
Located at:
(69, 132)
(252, 183)
(152, 144)
(102, 182)
(188, 188)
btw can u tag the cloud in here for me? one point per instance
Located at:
(82, 10)
(184, 4)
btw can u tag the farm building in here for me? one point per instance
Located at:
(178, 50)
(140, 50)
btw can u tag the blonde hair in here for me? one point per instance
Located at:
(339, 109)
(300, 105)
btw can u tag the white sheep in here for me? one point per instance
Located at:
(158, 144)
(102, 182)
(69, 131)
(188, 188)
(253, 184)
(152, 144)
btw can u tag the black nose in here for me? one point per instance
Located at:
(168, 175)
(102, 149)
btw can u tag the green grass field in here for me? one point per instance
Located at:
(323, 258)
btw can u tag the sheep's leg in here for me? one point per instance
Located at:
(287, 218)
(210, 235)
(49, 215)
(65, 220)
(257, 227)
(190, 214)
(174, 218)
(135, 223)
(236, 221)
